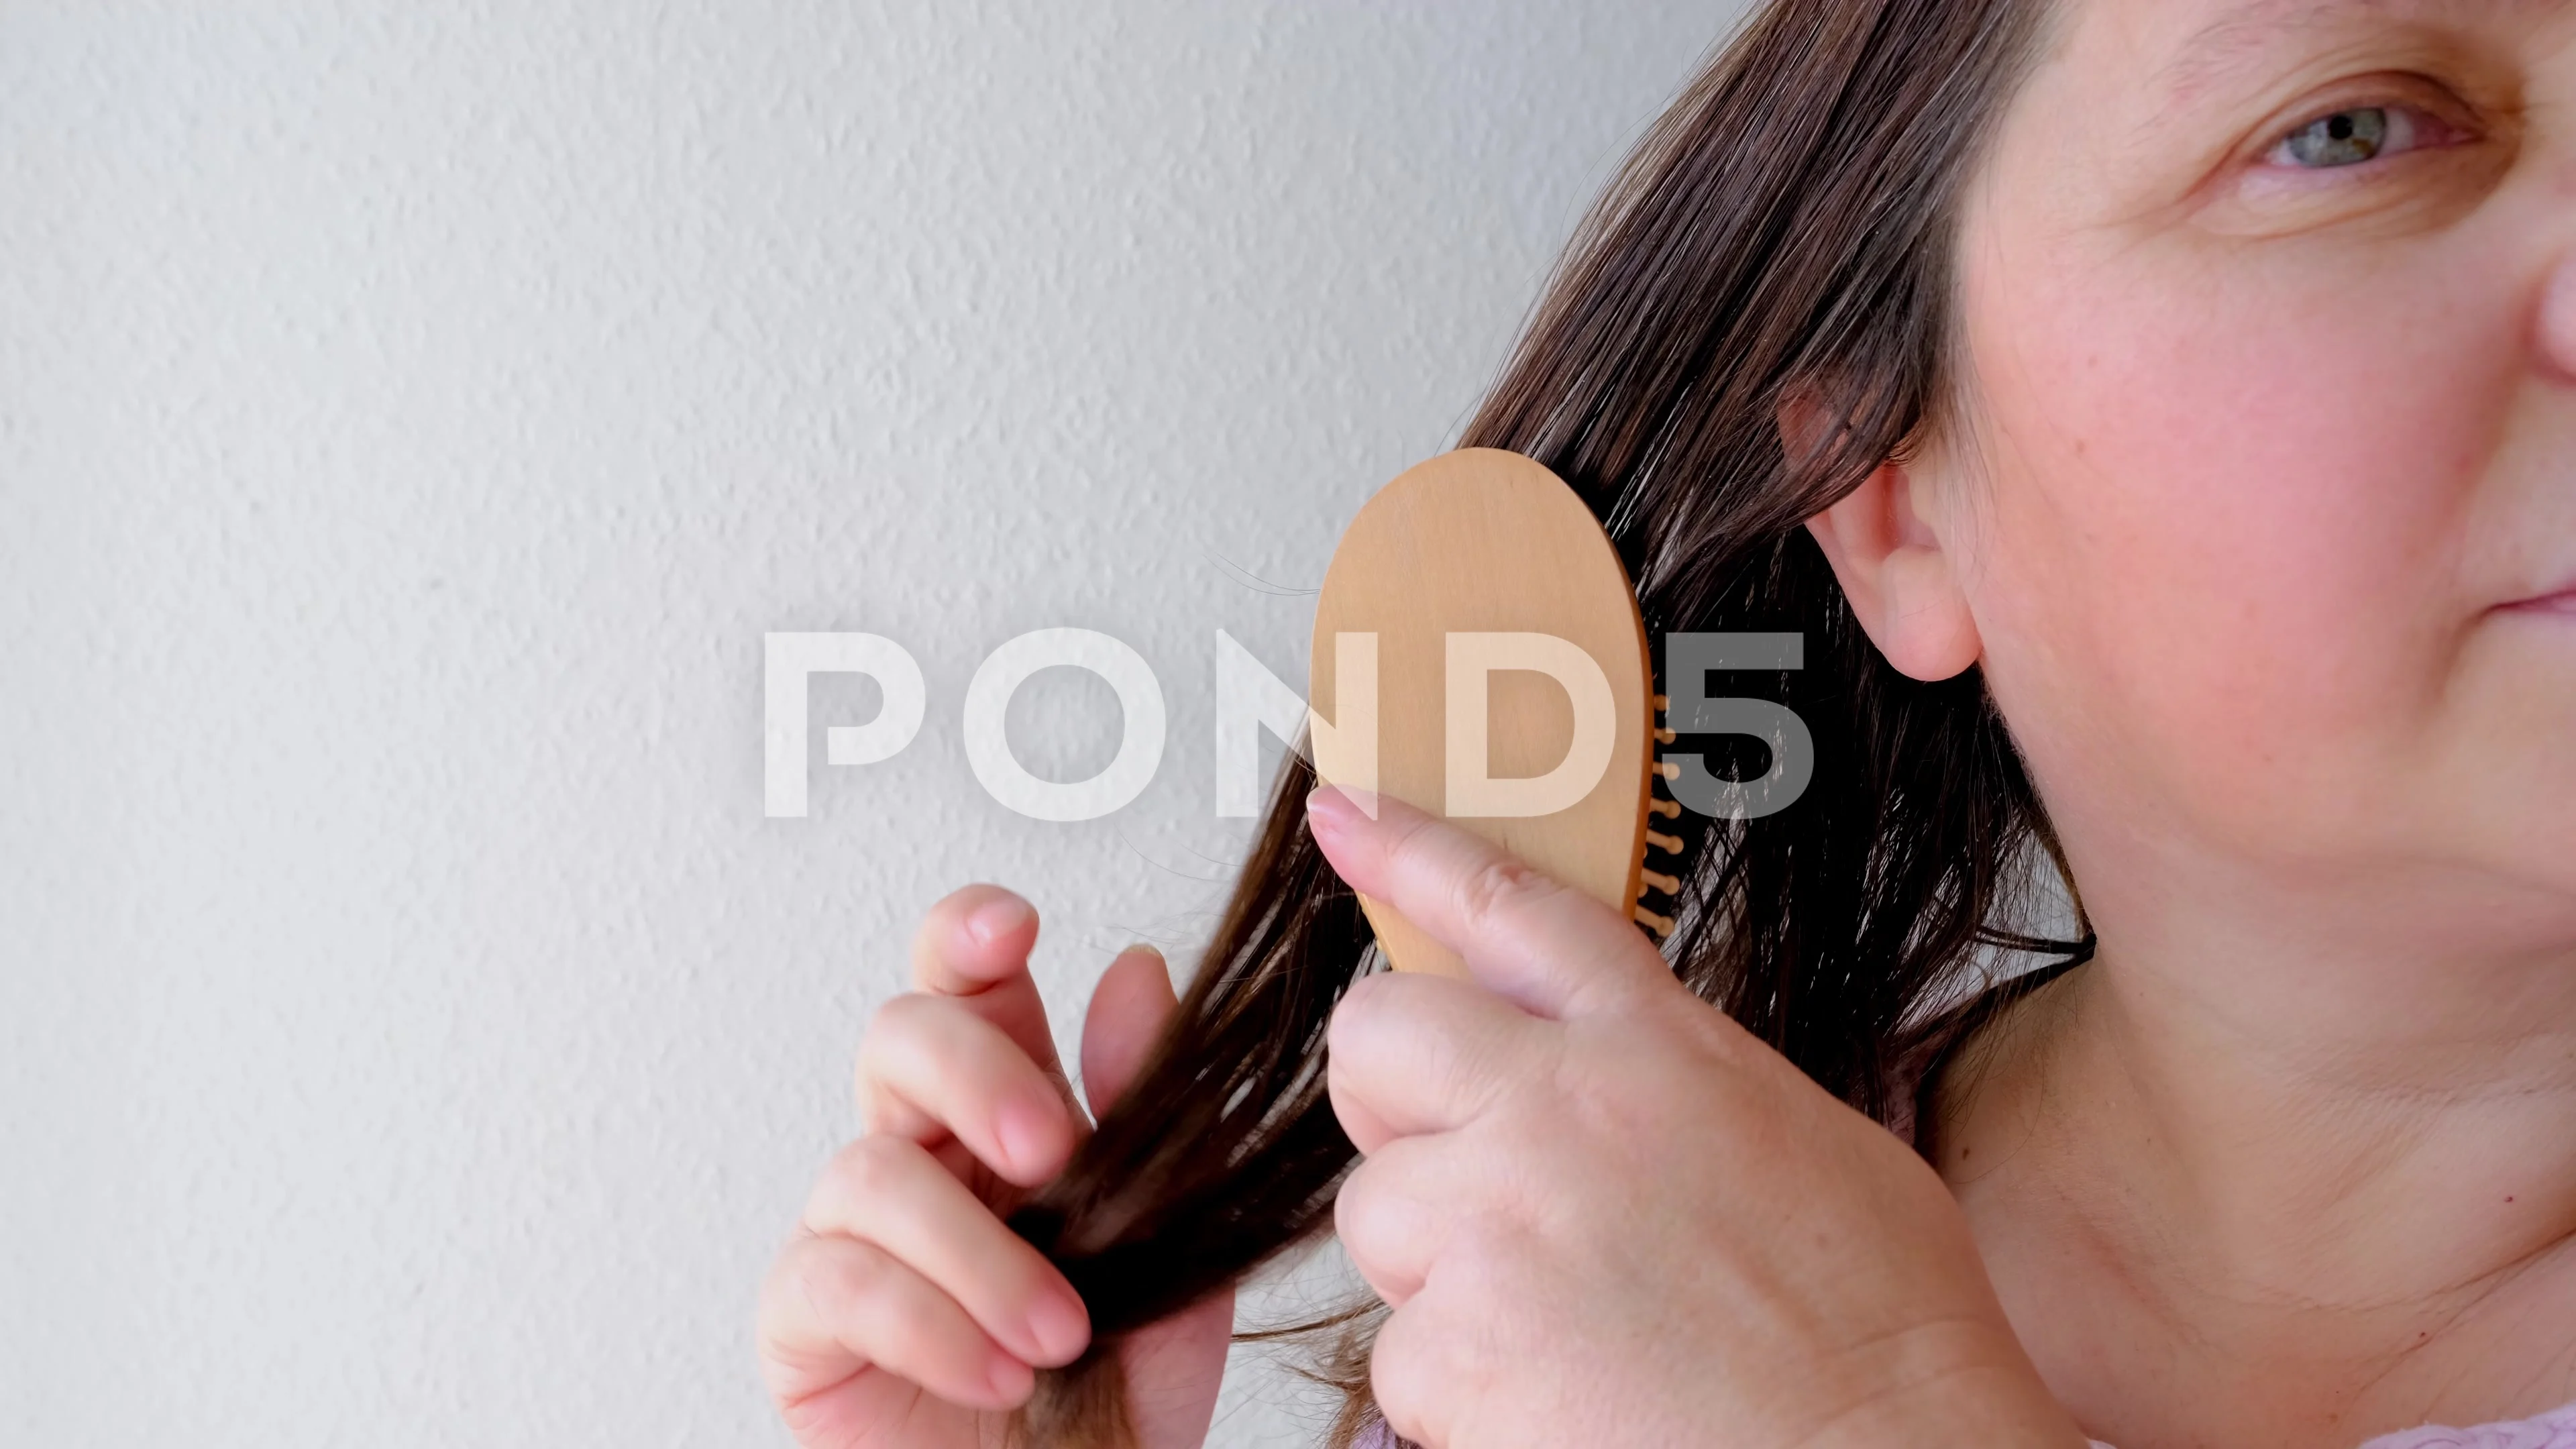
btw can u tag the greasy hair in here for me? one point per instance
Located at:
(1786, 228)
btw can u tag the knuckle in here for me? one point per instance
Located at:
(909, 1036)
(839, 1279)
(1496, 888)
(1350, 1229)
(1404, 1376)
(1346, 1029)
(784, 1276)
(904, 1015)
(871, 1168)
(893, 1020)
(1387, 1221)
(1358, 1208)
(1399, 1018)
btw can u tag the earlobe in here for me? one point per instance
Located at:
(1900, 575)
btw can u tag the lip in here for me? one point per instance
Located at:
(2562, 601)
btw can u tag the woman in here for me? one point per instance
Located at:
(2158, 416)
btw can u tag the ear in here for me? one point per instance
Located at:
(1901, 578)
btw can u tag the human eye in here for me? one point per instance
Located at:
(2352, 135)
(2392, 149)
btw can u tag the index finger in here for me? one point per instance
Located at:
(1408, 1053)
(974, 945)
(1546, 946)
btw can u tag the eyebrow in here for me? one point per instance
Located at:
(2226, 43)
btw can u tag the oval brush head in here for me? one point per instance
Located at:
(1478, 654)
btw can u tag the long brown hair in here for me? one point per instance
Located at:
(1789, 222)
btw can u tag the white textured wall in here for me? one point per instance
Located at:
(411, 418)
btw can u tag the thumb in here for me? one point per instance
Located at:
(1128, 1009)
(1549, 948)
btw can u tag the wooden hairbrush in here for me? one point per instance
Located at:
(1478, 653)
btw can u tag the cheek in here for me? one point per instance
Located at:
(2224, 528)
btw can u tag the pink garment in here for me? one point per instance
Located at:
(2553, 1430)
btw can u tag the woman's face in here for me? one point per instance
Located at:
(2270, 537)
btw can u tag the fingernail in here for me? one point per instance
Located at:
(1060, 1328)
(1331, 807)
(995, 919)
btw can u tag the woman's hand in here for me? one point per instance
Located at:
(1605, 1214)
(903, 1314)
